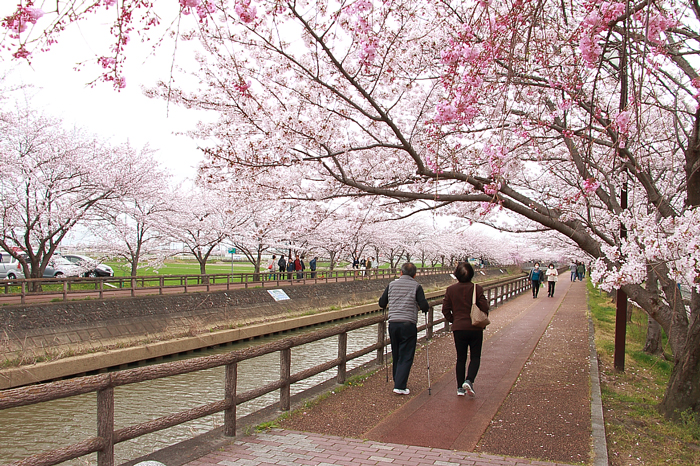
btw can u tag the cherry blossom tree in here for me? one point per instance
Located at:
(53, 179)
(267, 226)
(580, 118)
(128, 228)
(201, 220)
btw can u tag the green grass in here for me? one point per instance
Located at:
(636, 432)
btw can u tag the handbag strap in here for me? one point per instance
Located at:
(474, 300)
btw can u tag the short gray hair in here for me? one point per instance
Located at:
(409, 269)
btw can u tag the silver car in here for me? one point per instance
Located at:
(10, 267)
(59, 266)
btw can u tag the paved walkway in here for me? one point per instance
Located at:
(533, 400)
(281, 447)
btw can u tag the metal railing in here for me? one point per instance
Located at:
(66, 288)
(104, 384)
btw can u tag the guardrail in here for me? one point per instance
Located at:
(104, 384)
(66, 288)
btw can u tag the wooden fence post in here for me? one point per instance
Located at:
(230, 395)
(23, 293)
(105, 425)
(342, 355)
(285, 373)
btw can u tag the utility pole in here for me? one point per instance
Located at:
(621, 301)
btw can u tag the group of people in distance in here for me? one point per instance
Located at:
(578, 270)
(405, 297)
(276, 268)
(290, 266)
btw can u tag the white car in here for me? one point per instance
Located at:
(10, 267)
(89, 267)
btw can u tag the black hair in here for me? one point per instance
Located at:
(464, 272)
(409, 269)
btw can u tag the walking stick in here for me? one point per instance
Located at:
(427, 344)
(386, 332)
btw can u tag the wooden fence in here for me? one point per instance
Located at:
(65, 288)
(104, 384)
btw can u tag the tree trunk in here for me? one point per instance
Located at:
(683, 390)
(653, 342)
(692, 164)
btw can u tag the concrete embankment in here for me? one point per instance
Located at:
(50, 341)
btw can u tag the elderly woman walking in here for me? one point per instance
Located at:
(456, 307)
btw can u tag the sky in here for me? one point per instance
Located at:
(60, 91)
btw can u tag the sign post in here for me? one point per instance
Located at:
(232, 251)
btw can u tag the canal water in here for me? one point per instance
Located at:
(37, 428)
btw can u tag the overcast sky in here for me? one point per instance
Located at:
(62, 92)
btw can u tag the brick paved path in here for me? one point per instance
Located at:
(285, 447)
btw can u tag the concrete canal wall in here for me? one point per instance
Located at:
(49, 341)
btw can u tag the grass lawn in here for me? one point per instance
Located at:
(636, 433)
(191, 267)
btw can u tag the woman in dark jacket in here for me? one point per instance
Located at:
(456, 307)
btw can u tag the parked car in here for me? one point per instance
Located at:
(59, 266)
(10, 267)
(89, 266)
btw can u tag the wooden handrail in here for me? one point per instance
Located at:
(69, 287)
(104, 384)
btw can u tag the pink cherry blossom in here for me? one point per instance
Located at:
(590, 186)
(246, 12)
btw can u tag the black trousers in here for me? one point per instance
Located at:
(471, 340)
(404, 336)
(550, 288)
(535, 287)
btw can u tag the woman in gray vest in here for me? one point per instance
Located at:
(404, 296)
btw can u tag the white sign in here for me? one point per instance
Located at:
(278, 295)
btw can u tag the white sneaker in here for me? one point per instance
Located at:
(399, 391)
(461, 392)
(468, 387)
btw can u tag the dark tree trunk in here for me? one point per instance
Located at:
(683, 390)
(653, 342)
(692, 164)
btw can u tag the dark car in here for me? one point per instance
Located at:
(89, 267)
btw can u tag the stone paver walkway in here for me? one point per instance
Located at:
(284, 447)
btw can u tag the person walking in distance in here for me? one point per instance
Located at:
(572, 269)
(456, 307)
(581, 271)
(536, 277)
(404, 297)
(271, 266)
(552, 276)
(282, 264)
(312, 265)
(290, 268)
